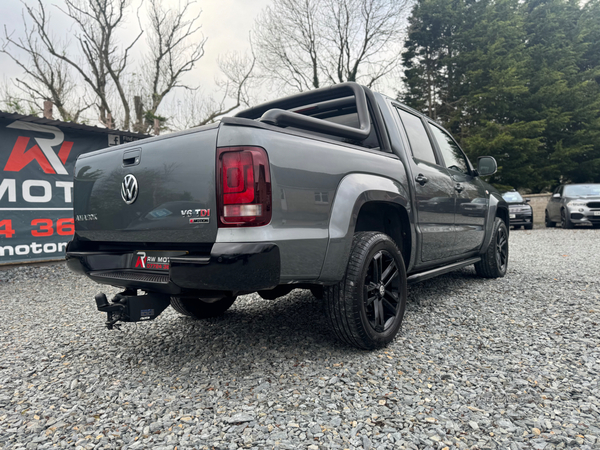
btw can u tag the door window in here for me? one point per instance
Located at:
(417, 136)
(453, 156)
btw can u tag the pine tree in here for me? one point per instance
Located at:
(517, 80)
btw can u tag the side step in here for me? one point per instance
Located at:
(441, 270)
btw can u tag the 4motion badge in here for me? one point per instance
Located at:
(196, 215)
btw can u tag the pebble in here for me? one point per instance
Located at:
(490, 364)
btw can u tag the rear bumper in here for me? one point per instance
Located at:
(230, 267)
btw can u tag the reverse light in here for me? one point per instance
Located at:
(242, 210)
(243, 186)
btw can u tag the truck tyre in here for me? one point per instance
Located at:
(494, 262)
(199, 309)
(366, 308)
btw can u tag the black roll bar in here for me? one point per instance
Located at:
(276, 112)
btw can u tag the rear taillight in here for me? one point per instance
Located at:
(243, 187)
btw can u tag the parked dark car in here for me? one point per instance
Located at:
(574, 204)
(520, 211)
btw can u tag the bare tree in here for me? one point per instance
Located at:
(97, 22)
(119, 85)
(173, 51)
(11, 101)
(306, 44)
(100, 64)
(235, 85)
(46, 78)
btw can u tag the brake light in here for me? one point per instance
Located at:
(243, 187)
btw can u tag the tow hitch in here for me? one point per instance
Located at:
(127, 306)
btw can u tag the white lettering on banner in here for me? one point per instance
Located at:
(30, 198)
(22, 250)
(8, 189)
(34, 247)
(50, 247)
(68, 187)
(9, 186)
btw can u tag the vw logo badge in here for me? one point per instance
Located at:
(129, 189)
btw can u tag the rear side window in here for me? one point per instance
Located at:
(451, 152)
(417, 137)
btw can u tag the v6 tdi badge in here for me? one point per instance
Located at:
(196, 215)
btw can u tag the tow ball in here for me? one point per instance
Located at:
(127, 306)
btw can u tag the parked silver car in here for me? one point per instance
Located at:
(574, 204)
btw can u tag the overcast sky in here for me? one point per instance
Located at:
(226, 23)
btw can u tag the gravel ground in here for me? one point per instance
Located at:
(508, 363)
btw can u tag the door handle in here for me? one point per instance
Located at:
(459, 187)
(421, 179)
(132, 157)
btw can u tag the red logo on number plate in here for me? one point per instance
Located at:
(141, 260)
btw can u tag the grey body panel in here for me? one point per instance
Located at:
(469, 217)
(174, 173)
(354, 191)
(434, 202)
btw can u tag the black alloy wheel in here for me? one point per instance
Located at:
(494, 262)
(501, 249)
(366, 307)
(381, 291)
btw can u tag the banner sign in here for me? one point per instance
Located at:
(36, 186)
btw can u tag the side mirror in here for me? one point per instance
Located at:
(527, 200)
(557, 195)
(486, 165)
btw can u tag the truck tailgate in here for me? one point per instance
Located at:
(159, 190)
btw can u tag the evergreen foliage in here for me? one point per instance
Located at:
(516, 80)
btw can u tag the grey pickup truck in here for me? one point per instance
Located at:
(339, 190)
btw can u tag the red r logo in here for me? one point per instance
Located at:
(43, 153)
(141, 260)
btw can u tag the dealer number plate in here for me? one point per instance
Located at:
(151, 260)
